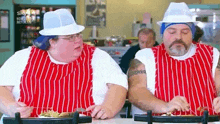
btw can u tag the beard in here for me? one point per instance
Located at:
(178, 48)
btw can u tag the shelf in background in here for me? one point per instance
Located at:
(4, 50)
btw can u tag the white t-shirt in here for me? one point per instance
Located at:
(105, 70)
(146, 56)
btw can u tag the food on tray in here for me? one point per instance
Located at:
(190, 115)
(201, 109)
(54, 114)
(168, 114)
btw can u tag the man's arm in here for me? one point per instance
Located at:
(113, 102)
(115, 98)
(9, 106)
(6, 98)
(217, 77)
(216, 101)
(138, 94)
(141, 97)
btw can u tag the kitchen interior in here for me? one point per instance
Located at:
(110, 25)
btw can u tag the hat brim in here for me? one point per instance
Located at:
(160, 22)
(177, 19)
(65, 30)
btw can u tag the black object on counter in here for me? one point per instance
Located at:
(17, 118)
(175, 119)
(74, 120)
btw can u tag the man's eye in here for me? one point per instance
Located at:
(66, 38)
(185, 31)
(172, 32)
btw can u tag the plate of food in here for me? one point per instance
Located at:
(176, 119)
(49, 117)
(54, 114)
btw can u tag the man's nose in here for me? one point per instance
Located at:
(178, 36)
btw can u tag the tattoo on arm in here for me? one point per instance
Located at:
(136, 72)
(133, 68)
(135, 63)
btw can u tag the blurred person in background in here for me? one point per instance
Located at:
(62, 74)
(198, 35)
(146, 39)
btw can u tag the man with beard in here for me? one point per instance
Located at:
(177, 76)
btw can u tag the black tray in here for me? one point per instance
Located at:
(175, 119)
(74, 120)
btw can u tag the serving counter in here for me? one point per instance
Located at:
(138, 119)
(116, 121)
(131, 121)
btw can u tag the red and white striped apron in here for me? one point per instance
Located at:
(191, 78)
(62, 88)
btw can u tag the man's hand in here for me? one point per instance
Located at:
(178, 103)
(100, 112)
(216, 104)
(25, 111)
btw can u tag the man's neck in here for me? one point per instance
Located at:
(59, 59)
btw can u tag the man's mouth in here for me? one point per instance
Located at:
(178, 44)
(77, 47)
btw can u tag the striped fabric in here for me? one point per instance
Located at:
(63, 88)
(191, 78)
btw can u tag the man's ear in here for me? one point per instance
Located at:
(52, 43)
